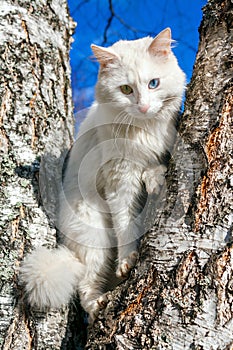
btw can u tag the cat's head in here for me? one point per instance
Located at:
(141, 77)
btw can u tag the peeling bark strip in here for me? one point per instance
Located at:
(218, 150)
(179, 296)
(35, 122)
(224, 282)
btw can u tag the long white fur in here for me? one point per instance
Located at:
(117, 149)
(51, 276)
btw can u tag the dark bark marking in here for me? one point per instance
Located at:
(217, 158)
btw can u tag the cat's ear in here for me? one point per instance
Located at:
(103, 55)
(161, 45)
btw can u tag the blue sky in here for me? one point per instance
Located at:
(132, 19)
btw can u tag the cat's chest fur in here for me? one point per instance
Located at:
(138, 144)
(126, 151)
(142, 140)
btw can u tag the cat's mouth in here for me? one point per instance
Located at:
(152, 111)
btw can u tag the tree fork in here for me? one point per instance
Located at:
(179, 296)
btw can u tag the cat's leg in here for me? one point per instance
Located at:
(85, 231)
(127, 245)
(126, 219)
(125, 207)
(97, 279)
(95, 283)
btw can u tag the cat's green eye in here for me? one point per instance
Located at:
(126, 89)
(153, 84)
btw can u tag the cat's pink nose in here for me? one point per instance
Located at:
(143, 108)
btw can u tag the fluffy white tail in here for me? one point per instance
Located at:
(50, 277)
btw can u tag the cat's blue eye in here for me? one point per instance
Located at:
(126, 89)
(153, 84)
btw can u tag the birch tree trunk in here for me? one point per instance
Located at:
(180, 294)
(36, 124)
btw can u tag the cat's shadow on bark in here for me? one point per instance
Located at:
(45, 175)
(51, 175)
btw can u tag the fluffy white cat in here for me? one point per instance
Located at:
(115, 162)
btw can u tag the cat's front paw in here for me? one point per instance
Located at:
(102, 301)
(126, 265)
(96, 306)
(154, 178)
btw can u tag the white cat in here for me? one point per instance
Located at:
(116, 157)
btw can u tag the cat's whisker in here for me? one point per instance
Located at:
(119, 121)
(169, 98)
(127, 130)
(126, 118)
(172, 98)
(130, 126)
(125, 125)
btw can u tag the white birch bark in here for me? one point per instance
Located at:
(36, 124)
